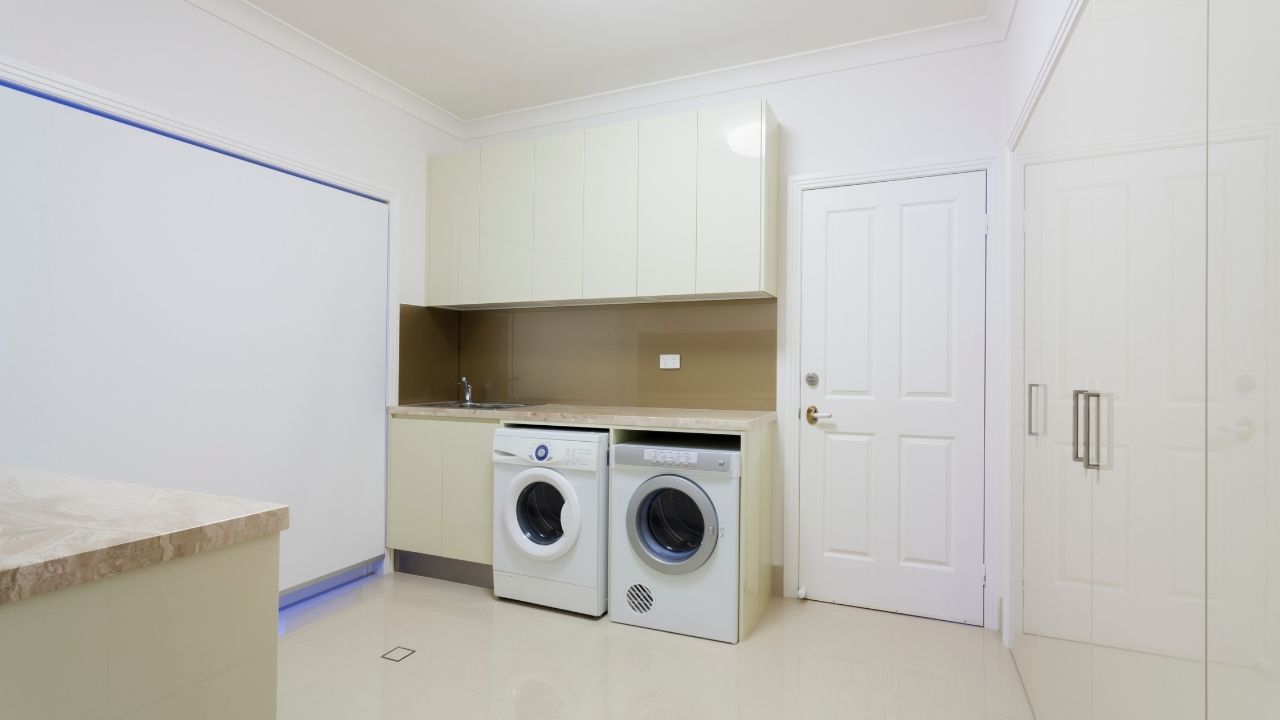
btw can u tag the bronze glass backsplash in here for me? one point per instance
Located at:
(428, 354)
(608, 354)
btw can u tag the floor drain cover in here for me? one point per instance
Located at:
(396, 654)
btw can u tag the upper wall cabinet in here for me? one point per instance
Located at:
(557, 216)
(737, 190)
(668, 200)
(506, 223)
(609, 250)
(454, 228)
(674, 207)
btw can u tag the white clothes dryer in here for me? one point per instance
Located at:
(550, 517)
(673, 539)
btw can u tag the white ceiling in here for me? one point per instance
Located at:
(477, 58)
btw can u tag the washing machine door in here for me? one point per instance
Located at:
(543, 515)
(672, 524)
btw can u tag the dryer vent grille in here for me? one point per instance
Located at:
(639, 598)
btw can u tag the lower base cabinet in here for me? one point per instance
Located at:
(440, 487)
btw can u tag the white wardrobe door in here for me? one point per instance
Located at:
(177, 317)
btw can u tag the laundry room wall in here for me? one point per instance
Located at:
(185, 64)
(932, 109)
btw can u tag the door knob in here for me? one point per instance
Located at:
(813, 416)
(1244, 429)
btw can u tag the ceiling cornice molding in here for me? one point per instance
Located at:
(1069, 21)
(290, 40)
(992, 27)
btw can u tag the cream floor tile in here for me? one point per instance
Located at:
(391, 693)
(480, 657)
(305, 677)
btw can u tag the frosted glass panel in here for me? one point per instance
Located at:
(1243, 371)
(1111, 620)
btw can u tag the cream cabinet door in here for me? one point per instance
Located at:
(506, 223)
(414, 487)
(668, 202)
(557, 216)
(730, 249)
(454, 228)
(609, 212)
(466, 455)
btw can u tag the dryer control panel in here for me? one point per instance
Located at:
(678, 456)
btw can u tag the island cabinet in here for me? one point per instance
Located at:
(122, 601)
(673, 207)
(440, 487)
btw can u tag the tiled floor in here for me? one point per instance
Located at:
(477, 657)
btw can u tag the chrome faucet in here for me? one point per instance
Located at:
(466, 390)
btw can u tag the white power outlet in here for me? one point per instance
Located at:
(668, 362)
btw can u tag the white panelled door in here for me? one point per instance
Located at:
(893, 340)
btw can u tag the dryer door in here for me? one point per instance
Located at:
(672, 524)
(542, 513)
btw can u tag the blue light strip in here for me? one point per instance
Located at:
(180, 138)
(320, 587)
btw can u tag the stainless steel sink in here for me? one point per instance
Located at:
(472, 406)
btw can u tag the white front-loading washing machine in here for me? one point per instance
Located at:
(673, 537)
(551, 517)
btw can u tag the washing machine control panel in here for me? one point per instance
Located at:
(563, 454)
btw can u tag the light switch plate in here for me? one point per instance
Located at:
(668, 362)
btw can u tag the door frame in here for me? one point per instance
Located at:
(1000, 406)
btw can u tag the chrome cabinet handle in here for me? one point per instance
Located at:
(813, 416)
(1075, 425)
(1034, 390)
(1090, 447)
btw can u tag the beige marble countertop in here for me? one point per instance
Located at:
(607, 415)
(57, 531)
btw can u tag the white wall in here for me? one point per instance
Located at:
(176, 317)
(182, 63)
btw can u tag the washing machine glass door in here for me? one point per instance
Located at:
(542, 513)
(672, 524)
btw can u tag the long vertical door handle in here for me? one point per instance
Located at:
(1075, 425)
(1092, 428)
(1034, 414)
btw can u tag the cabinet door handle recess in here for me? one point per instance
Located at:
(1075, 425)
(1092, 445)
(1034, 414)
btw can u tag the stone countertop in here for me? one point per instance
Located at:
(58, 531)
(607, 415)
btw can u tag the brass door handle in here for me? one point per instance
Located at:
(813, 416)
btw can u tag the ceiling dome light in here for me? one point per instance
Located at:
(745, 139)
